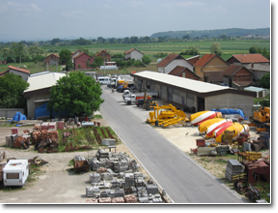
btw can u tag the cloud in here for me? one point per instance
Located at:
(23, 8)
(190, 3)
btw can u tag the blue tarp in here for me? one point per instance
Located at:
(18, 117)
(231, 111)
(42, 111)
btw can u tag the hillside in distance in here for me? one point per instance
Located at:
(232, 32)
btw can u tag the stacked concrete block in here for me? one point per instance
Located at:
(118, 192)
(92, 191)
(95, 178)
(118, 200)
(116, 179)
(222, 150)
(105, 200)
(234, 167)
(152, 189)
(102, 154)
(130, 198)
(206, 151)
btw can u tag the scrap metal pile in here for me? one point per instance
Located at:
(44, 137)
(116, 179)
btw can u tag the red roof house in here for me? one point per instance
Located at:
(248, 59)
(52, 59)
(184, 72)
(82, 61)
(105, 55)
(192, 60)
(210, 68)
(238, 75)
(171, 61)
(24, 73)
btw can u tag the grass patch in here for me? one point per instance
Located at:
(97, 116)
(82, 138)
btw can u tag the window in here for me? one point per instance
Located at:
(12, 175)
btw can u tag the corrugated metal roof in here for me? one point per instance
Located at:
(185, 83)
(254, 89)
(43, 80)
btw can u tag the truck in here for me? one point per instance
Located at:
(15, 172)
(138, 98)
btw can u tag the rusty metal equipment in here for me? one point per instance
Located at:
(261, 119)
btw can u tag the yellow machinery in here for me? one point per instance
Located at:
(166, 115)
(261, 117)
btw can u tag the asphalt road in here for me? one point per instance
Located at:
(182, 179)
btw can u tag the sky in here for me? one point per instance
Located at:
(47, 19)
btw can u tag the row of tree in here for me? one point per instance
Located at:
(263, 51)
(20, 52)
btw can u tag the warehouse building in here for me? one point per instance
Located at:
(192, 95)
(38, 93)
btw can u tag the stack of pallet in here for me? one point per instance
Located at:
(233, 168)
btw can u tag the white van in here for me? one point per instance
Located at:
(15, 173)
(104, 80)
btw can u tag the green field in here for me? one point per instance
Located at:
(228, 47)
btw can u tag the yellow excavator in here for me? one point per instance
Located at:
(261, 118)
(166, 115)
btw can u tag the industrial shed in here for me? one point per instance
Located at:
(38, 92)
(192, 95)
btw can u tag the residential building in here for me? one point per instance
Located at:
(82, 61)
(210, 68)
(133, 53)
(52, 59)
(171, 61)
(184, 72)
(105, 55)
(74, 54)
(38, 93)
(192, 60)
(23, 73)
(191, 95)
(257, 63)
(238, 76)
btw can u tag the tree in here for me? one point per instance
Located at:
(36, 53)
(265, 81)
(11, 91)
(75, 95)
(216, 49)
(65, 58)
(146, 59)
(98, 61)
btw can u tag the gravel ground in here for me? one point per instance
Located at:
(54, 184)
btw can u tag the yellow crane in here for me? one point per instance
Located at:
(166, 115)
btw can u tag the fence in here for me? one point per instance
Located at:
(9, 112)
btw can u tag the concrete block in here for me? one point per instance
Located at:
(205, 151)
(118, 200)
(152, 189)
(108, 142)
(95, 178)
(92, 191)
